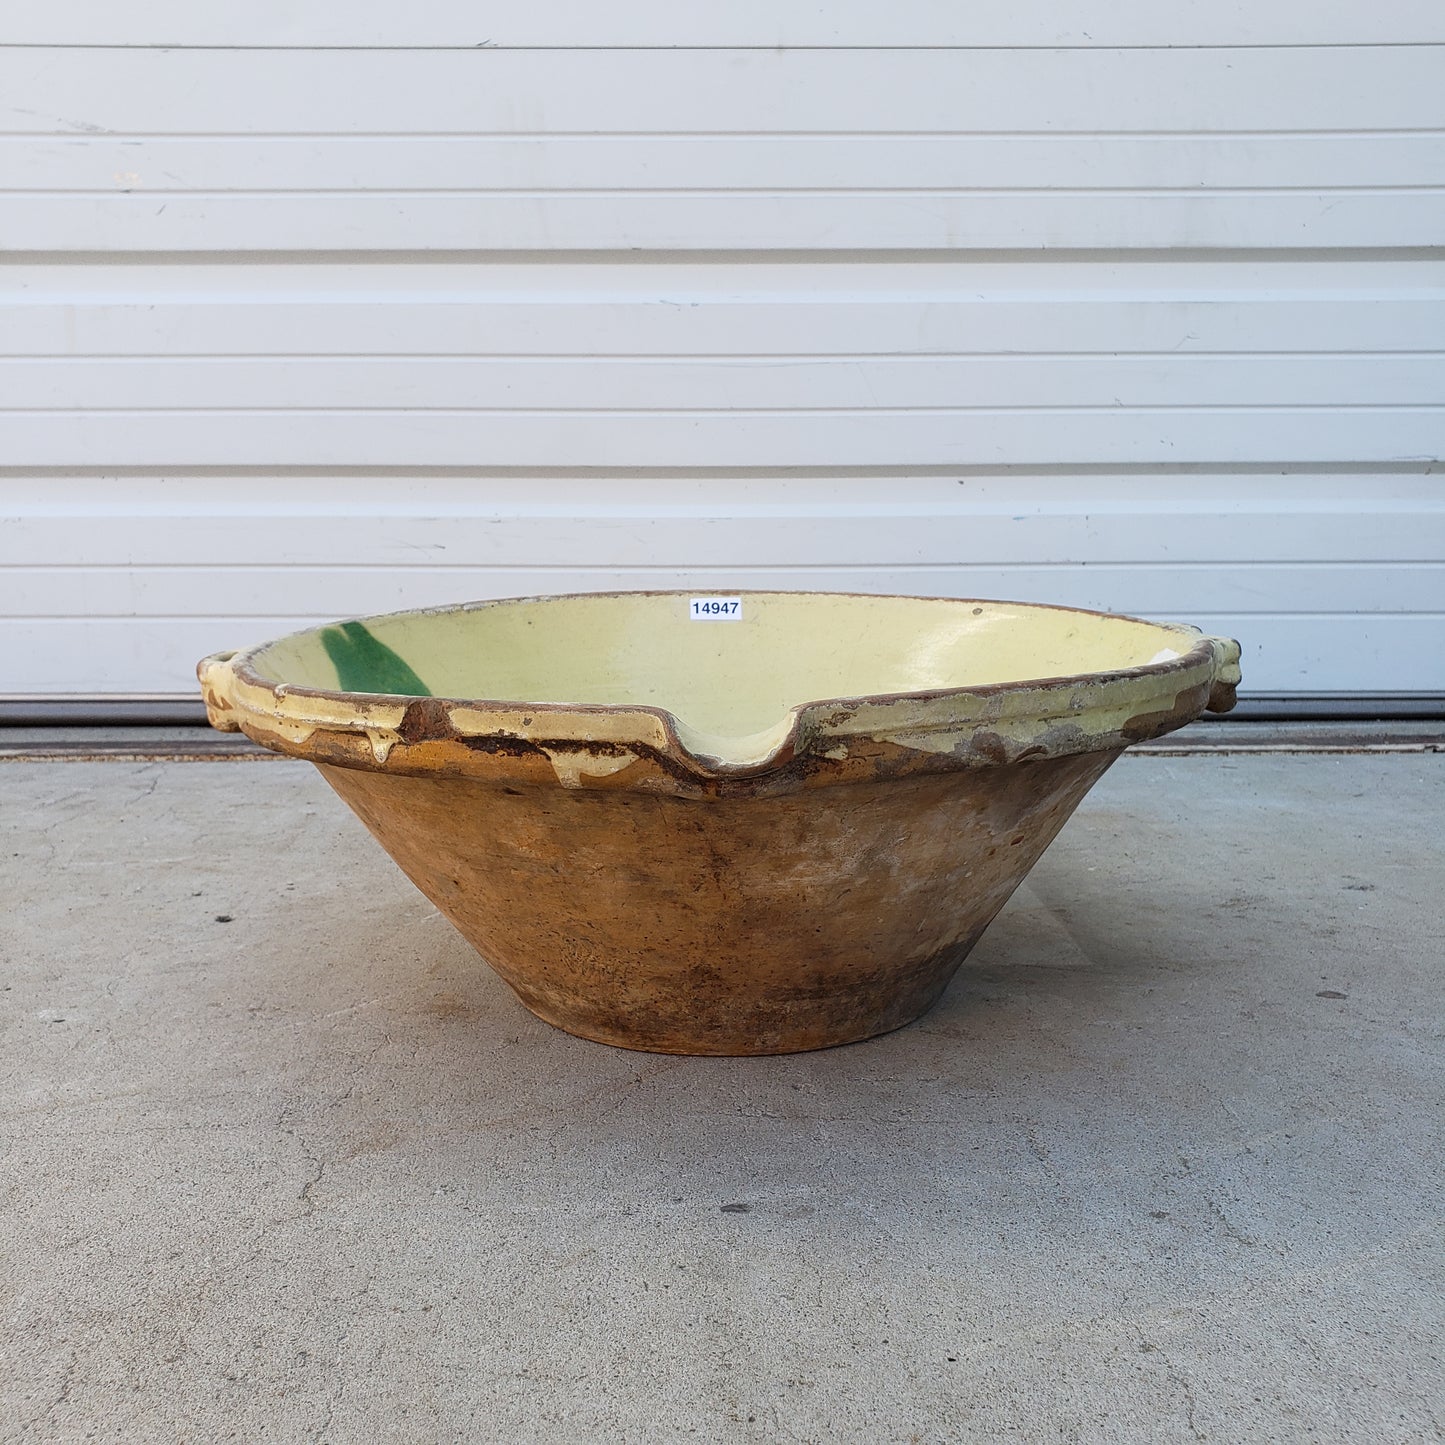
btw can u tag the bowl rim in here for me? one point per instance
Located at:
(1207, 667)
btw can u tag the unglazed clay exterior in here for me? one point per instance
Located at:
(760, 836)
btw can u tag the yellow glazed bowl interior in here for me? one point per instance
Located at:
(729, 691)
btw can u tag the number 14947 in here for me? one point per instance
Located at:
(716, 609)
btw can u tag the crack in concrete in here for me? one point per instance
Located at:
(304, 1196)
(1190, 1404)
(1229, 1226)
(67, 1379)
(155, 770)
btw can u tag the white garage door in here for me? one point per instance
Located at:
(306, 315)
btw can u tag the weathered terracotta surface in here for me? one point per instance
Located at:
(706, 841)
(724, 926)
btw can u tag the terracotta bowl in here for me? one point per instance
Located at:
(728, 829)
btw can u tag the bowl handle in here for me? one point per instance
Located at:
(216, 677)
(1226, 675)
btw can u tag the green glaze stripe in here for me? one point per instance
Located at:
(365, 665)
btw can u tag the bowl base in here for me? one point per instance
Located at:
(826, 1023)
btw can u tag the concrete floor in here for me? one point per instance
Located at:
(285, 1162)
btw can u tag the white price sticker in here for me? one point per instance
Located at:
(716, 609)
